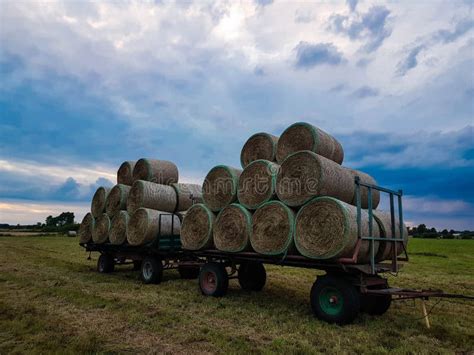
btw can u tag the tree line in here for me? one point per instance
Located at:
(62, 223)
(422, 231)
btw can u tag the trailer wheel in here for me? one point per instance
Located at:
(213, 280)
(252, 276)
(105, 264)
(188, 272)
(335, 300)
(375, 305)
(152, 271)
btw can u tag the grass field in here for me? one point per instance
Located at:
(52, 300)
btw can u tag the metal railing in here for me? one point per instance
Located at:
(371, 238)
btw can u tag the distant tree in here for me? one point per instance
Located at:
(50, 221)
(64, 219)
(422, 229)
(433, 230)
(452, 231)
(444, 232)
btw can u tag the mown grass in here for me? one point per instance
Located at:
(52, 300)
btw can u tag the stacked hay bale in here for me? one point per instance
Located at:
(144, 206)
(293, 196)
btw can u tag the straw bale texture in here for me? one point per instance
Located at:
(326, 228)
(150, 195)
(144, 226)
(257, 183)
(187, 195)
(85, 229)
(232, 229)
(118, 228)
(364, 194)
(100, 232)
(259, 146)
(220, 187)
(304, 175)
(125, 173)
(98, 201)
(272, 229)
(117, 199)
(158, 171)
(385, 223)
(196, 230)
(304, 136)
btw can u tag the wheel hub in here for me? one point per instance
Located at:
(331, 301)
(209, 281)
(147, 270)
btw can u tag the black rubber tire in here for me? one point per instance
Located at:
(137, 265)
(375, 305)
(252, 276)
(189, 272)
(349, 304)
(213, 280)
(105, 264)
(151, 271)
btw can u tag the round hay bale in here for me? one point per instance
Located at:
(98, 201)
(304, 175)
(158, 171)
(144, 226)
(384, 221)
(85, 229)
(326, 228)
(196, 230)
(187, 195)
(220, 187)
(117, 199)
(272, 229)
(100, 232)
(257, 183)
(232, 229)
(150, 195)
(304, 136)
(118, 228)
(125, 173)
(364, 191)
(259, 146)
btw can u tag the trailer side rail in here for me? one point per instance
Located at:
(394, 265)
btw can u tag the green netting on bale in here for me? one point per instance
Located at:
(257, 184)
(232, 229)
(197, 228)
(304, 136)
(326, 228)
(158, 171)
(272, 229)
(259, 146)
(220, 187)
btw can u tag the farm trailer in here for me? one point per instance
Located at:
(347, 288)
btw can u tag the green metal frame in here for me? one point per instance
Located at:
(171, 242)
(370, 237)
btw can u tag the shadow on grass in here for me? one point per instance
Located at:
(429, 254)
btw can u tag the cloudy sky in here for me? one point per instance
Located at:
(85, 86)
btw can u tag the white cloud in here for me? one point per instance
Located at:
(31, 212)
(57, 173)
(435, 205)
(186, 55)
